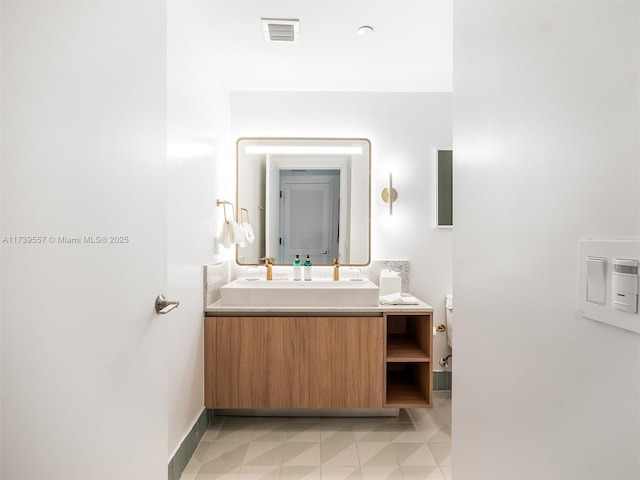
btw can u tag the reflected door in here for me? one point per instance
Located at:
(310, 215)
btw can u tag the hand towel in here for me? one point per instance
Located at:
(398, 299)
(237, 235)
(224, 237)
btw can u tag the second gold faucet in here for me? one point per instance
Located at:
(268, 262)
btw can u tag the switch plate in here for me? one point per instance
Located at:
(596, 280)
(591, 304)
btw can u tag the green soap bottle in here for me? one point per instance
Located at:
(307, 269)
(297, 269)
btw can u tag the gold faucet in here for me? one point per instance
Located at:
(336, 269)
(268, 262)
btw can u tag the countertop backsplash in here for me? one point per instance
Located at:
(215, 276)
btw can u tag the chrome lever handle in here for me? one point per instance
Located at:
(164, 306)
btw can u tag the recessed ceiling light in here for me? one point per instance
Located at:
(365, 30)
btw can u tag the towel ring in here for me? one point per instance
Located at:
(224, 204)
(242, 216)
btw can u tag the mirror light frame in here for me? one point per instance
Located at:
(240, 139)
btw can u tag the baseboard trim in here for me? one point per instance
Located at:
(188, 446)
(441, 381)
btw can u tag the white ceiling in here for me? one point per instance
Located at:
(410, 50)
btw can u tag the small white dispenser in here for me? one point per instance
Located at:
(624, 285)
(389, 282)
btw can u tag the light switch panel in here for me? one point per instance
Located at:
(596, 280)
(609, 282)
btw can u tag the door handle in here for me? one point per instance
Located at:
(325, 252)
(164, 306)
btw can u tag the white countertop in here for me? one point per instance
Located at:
(218, 309)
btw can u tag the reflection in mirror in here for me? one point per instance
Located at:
(305, 196)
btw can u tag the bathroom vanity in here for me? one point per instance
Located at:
(318, 357)
(282, 344)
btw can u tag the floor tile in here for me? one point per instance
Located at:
(300, 454)
(226, 452)
(413, 454)
(264, 454)
(340, 454)
(370, 432)
(212, 432)
(235, 431)
(427, 430)
(441, 415)
(414, 445)
(264, 434)
(216, 469)
(341, 473)
(422, 473)
(300, 473)
(187, 475)
(446, 471)
(403, 432)
(335, 423)
(201, 452)
(377, 454)
(248, 472)
(441, 435)
(402, 417)
(441, 452)
(381, 472)
(304, 432)
(338, 436)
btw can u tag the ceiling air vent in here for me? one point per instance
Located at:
(281, 30)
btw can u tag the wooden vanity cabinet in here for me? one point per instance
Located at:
(256, 362)
(294, 362)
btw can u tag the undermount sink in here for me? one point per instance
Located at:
(344, 293)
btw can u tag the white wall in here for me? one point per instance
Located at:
(546, 142)
(83, 130)
(199, 153)
(404, 129)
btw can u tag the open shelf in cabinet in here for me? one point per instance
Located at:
(402, 348)
(408, 338)
(408, 359)
(408, 385)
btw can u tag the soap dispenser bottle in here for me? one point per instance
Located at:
(297, 268)
(307, 269)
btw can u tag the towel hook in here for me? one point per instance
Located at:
(224, 204)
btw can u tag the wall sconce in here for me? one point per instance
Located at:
(389, 194)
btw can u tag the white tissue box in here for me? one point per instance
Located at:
(390, 282)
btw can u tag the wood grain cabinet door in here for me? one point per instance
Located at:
(345, 362)
(294, 362)
(257, 363)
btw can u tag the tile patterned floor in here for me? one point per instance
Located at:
(414, 445)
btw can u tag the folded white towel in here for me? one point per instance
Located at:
(398, 299)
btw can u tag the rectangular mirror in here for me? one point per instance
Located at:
(444, 189)
(305, 196)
